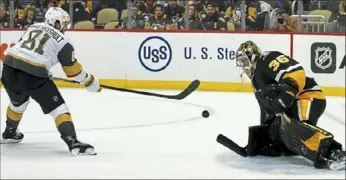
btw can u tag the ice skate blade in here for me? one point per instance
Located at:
(88, 152)
(337, 166)
(10, 141)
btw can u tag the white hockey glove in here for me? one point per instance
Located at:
(91, 83)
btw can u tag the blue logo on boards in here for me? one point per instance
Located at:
(155, 53)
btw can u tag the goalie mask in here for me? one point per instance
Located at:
(247, 55)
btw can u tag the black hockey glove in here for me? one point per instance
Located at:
(272, 91)
(266, 102)
(281, 96)
(287, 96)
(260, 143)
(278, 97)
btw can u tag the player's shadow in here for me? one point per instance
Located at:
(288, 165)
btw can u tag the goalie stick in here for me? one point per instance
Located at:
(231, 145)
(182, 95)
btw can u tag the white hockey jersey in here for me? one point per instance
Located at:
(40, 48)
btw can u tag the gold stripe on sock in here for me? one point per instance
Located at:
(14, 115)
(62, 118)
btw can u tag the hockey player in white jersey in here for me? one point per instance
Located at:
(25, 75)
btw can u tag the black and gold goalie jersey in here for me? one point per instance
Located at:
(273, 67)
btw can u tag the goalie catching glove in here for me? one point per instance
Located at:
(89, 81)
(278, 97)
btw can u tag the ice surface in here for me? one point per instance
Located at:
(143, 137)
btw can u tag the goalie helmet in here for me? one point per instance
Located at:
(247, 55)
(58, 15)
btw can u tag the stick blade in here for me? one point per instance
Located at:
(225, 141)
(190, 89)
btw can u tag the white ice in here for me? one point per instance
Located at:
(143, 137)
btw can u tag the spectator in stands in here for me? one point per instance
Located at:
(172, 9)
(333, 7)
(212, 19)
(286, 23)
(229, 12)
(233, 13)
(80, 11)
(160, 20)
(341, 19)
(120, 5)
(4, 16)
(194, 22)
(251, 15)
(20, 6)
(221, 5)
(41, 9)
(263, 18)
(29, 17)
(148, 7)
(133, 20)
(53, 3)
(199, 7)
(287, 6)
(7, 2)
(86, 3)
(336, 18)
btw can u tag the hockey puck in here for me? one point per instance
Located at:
(205, 114)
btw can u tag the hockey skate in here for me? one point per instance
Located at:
(336, 161)
(11, 136)
(78, 148)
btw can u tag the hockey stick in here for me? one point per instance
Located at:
(182, 95)
(231, 145)
(225, 141)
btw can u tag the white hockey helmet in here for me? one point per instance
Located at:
(57, 14)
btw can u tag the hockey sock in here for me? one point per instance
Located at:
(65, 125)
(13, 118)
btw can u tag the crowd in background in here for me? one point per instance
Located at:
(183, 14)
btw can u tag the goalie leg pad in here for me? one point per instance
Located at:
(309, 141)
(258, 138)
(261, 142)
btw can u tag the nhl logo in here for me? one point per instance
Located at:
(323, 57)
